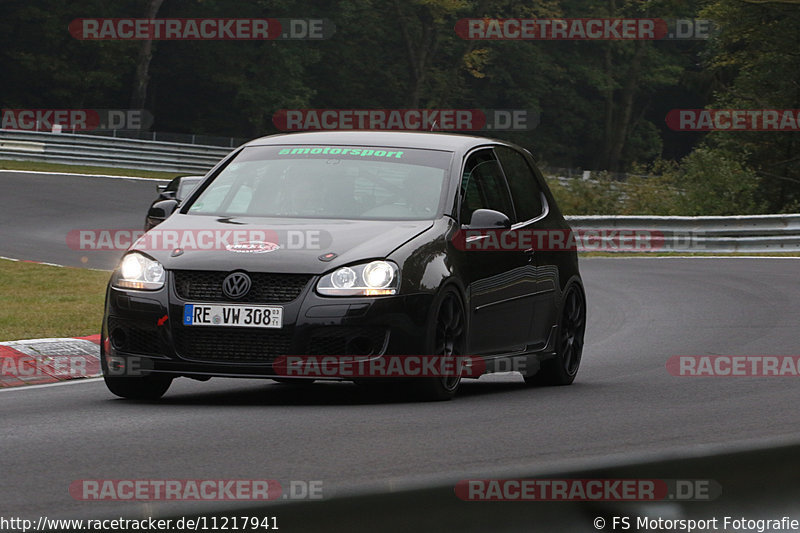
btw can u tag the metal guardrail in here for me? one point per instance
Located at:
(729, 234)
(163, 136)
(72, 149)
(756, 481)
(718, 234)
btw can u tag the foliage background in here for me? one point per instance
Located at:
(603, 103)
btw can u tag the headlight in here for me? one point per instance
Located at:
(139, 272)
(378, 278)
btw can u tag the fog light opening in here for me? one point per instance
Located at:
(119, 339)
(360, 346)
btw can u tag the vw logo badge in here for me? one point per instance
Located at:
(236, 285)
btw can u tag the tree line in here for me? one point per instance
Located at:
(602, 104)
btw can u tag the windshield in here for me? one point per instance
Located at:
(328, 182)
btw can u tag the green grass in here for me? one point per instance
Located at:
(81, 169)
(38, 301)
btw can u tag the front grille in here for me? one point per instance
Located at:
(130, 337)
(235, 345)
(343, 340)
(206, 286)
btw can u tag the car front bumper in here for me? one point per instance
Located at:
(143, 332)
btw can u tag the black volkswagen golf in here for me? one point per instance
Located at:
(334, 255)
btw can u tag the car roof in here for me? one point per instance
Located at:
(389, 139)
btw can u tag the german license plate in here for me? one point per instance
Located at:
(243, 316)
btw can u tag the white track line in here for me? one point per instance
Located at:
(51, 264)
(44, 385)
(51, 173)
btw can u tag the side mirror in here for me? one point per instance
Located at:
(488, 219)
(165, 194)
(159, 212)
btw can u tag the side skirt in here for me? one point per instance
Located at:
(526, 362)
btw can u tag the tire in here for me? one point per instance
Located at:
(562, 369)
(150, 387)
(446, 337)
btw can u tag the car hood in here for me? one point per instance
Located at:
(210, 243)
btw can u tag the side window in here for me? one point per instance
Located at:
(483, 186)
(522, 182)
(185, 187)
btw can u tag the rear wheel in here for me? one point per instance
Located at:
(562, 369)
(150, 387)
(447, 335)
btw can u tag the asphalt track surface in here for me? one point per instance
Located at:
(40, 210)
(623, 404)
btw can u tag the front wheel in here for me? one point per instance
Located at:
(150, 387)
(447, 334)
(562, 369)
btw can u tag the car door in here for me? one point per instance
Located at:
(500, 319)
(530, 205)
